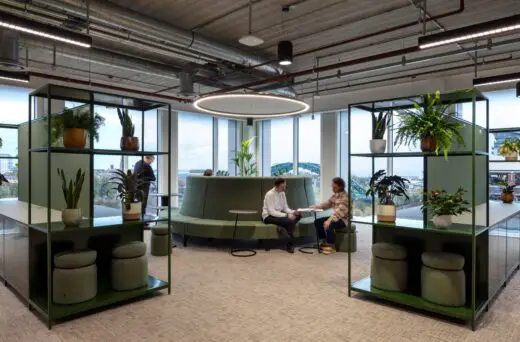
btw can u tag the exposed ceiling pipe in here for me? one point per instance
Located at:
(113, 16)
(370, 35)
(9, 50)
(335, 66)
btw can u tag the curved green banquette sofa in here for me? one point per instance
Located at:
(207, 200)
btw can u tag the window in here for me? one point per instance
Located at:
(281, 147)
(195, 145)
(227, 145)
(309, 145)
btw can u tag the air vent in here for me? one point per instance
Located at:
(186, 80)
(9, 50)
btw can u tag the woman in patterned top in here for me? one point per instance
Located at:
(339, 203)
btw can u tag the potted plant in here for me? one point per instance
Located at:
(128, 186)
(1, 143)
(74, 124)
(387, 188)
(244, 159)
(509, 148)
(432, 123)
(444, 206)
(71, 215)
(508, 190)
(128, 141)
(379, 125)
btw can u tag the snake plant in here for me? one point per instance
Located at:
(72, 190)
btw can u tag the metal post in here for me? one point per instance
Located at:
(49, 231)
(473, 237)
(350, 202)
(170, 198)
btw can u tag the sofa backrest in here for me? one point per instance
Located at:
(213, 197)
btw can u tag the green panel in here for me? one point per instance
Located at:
(309, 191)
(194, 194)
(295, 193)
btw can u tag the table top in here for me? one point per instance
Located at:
(242, 212)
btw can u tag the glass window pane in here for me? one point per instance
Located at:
(309, 150)
(282, 146)
(15, 104)
(223, 146)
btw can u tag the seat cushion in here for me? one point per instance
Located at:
(75, 259)
(160, 230)
(443, 261)
(133, 249)
(388, 251)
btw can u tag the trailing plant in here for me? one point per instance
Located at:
(72, 190)
(380, 123)
(76, 118)
(440, 202)
(507, 188)
(429, 117)
(387, 187)
(128, 186)
(244, 159)
(509, 145)
(126, 122)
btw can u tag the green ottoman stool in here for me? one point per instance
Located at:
(159, 241)
(129, 266)
(342, 236)
(443, 280)
(389, 268)
(74, 279)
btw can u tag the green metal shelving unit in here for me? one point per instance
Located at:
(44, 237)
(474, 239)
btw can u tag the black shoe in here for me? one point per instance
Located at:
(282, 231)
(290, 248)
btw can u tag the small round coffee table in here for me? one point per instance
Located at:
(234, 250)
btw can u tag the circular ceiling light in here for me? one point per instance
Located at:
(255, 106)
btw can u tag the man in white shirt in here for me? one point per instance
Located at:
(276, 211)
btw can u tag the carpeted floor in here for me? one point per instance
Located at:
(270, 297)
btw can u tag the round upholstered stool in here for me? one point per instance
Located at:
(342, 236)
(159, 241)
(389, 268)
(443, 280)
(129, 266)
(74, 278)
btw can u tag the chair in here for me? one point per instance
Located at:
(74, 277)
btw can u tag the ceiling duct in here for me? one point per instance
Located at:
(186, 80)
(9, 50)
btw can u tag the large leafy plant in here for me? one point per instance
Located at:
(1, 143)
(72, 190)
(380, 123)
(429, 117)
(76, 118)
(387, 187)
(128, 186)
(441, 202)
(126, 122)
(507, 188)
(244, 159)
(509, 145)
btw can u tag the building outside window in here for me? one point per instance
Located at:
(309, 147)
(281, 146)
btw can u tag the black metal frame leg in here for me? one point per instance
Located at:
(239, 250)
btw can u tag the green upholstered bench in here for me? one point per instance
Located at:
(207, 200)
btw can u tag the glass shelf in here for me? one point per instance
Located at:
(454, 229)
(417, 154)
(96, 223)
(96, 151)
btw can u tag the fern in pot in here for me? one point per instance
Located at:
(387, 188)
(128, 186)
(71, 215)
(432, 123)
(444, 206)
(509, 148)
(73, 125)
(379, 125)
(128, 141)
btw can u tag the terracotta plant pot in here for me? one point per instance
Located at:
(132, 214)
(386, 213)
(442, 221)
(377, 145)
(428, 143)
(71, 217)
(130, 144)
(507, 197)
(74, 138)
(512, 156)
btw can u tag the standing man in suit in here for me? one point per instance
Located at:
(276, 211)
(145, 174)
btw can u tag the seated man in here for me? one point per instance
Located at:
(276, 211)
(339, 202)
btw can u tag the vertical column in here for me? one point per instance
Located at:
(266, 148)
(329, 152)
(215, 144)
(296, 145)
(232, 145)
(174, 149)
(343, 131)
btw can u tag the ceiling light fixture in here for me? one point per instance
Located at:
(500, 79)
(249, 39)
(285, 52)
(252, 106)
(471, 33)
(16, 23)
(14, 76)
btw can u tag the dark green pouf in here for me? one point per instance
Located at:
(342, 243)
(159, 241)
(74, 277)
(389, 268)
(129, 266)
(443, 280)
